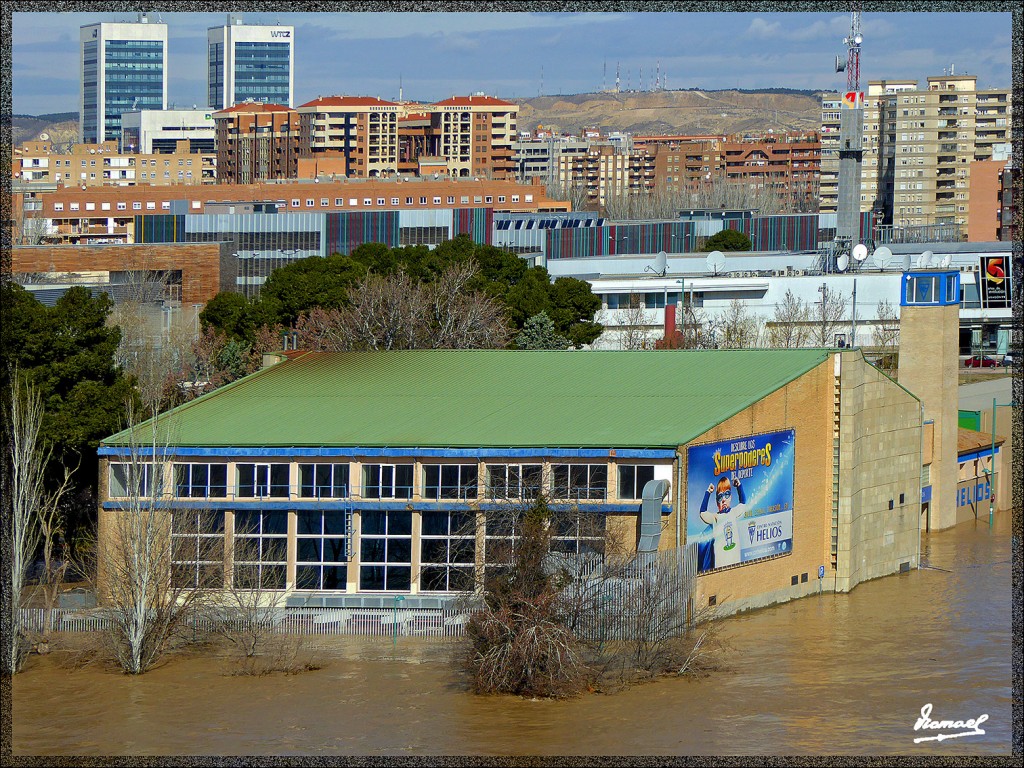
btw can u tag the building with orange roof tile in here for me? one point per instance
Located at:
(256, 142)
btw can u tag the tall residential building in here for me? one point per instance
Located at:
(257, 142)
(364, 129)
(475, 135)
(250, 63)
(123, 67)
(918, 148)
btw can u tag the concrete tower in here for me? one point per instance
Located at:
(928, 367)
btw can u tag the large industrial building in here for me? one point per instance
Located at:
(362, 468)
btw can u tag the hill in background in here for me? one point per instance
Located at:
(638, 112)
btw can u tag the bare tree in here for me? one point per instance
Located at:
(145, 607)
(634, 325)
(789, 326)
(885, 336)
(26, 463)
(395, 312)
(827, 317)
(573, 192)
(738, 328)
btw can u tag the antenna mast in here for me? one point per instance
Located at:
(853, 52)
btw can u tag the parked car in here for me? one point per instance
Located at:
(1007, 360)
(980, 361)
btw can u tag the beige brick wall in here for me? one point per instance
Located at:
(880, 455)
(805, 406)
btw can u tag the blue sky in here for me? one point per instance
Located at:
(436, 55)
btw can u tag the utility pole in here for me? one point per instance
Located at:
(853, 316)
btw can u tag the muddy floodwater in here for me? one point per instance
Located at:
(829, 674)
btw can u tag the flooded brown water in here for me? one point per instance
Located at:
(835, 674)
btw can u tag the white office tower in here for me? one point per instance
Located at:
(123, 68)
(250, 63)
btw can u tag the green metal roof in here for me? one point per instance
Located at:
(485, 398)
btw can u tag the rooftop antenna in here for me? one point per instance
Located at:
(399, 86)
(657, 80)
(604, 76)
(616, 77)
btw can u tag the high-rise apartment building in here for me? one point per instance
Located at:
(256, 142)
(918, 148)
(475, 134)
(123, 67)
(250, 63)
(363, 129)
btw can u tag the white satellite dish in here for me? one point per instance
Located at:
(843, 262)
(860, 251)
(882, 257)
(925, 260)
(946, 261)
(661, 262)
(716, 262)
(906, 262)
(44, 136)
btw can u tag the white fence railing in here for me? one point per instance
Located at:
(643, 595)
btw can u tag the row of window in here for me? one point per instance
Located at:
(379, 481)
(382, 201)
(447, 554)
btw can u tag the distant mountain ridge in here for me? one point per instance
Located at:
(692, 111)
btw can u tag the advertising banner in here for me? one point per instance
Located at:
(995, 285)
(739, 499)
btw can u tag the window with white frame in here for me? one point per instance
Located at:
(394, 201)
(447, 550)
(150, 206)
(385, 550)
(262, 480)
(579, 481)
(122, 206)
(514, 481)
(380, 201)
(136, 206)
(632, 479)
(323, 548)
(387, 481)
(165, 205)
(367, 201)
(324, 202)
(197, 548)
(295, 202)
(449, 481)
(319, 481)
(339, 201)
(60, 206)
(451, 200)
(260, 549)
(134, 479)
(577, 533)
(205, 481)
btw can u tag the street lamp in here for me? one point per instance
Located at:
(992, 461)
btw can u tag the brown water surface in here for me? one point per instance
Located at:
(835, 674)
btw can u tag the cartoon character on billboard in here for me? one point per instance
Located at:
(726, 544)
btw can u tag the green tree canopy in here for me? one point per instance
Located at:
(727, 240)
(539, 333)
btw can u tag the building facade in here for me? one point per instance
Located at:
(361, 130)
(386, 496)
(157, 131)
(250, 63)
(123, 67)
(475, 135)
(257, 142)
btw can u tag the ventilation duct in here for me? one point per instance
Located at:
(650, 515)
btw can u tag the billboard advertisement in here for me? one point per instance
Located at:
(739, 499)
(996, 279)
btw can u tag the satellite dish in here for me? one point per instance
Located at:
(44, 136)
(925, 260)
(946, 261)
(843, 262)
(716, 262)
(661, 262)
(882, 257)
(906, 262)
(860, 251)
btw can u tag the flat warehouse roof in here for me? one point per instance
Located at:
(484, 398)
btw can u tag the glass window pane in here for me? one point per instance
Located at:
(371, 577)
(275, 523)
(399, 550)
(335, 577)
(371, 550)
(219, 481)
(334, 551)
(403, 481)
(435, 523)
(373, 521)
(399, 578)
(308, 522)
(306, 480)
(308, 550)
(434, 551)
(336, 523)
(399, 523)
(307, 577)
(434, 579)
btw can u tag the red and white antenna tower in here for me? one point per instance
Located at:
(853, 53)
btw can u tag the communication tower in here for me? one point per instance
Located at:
(851, 144)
